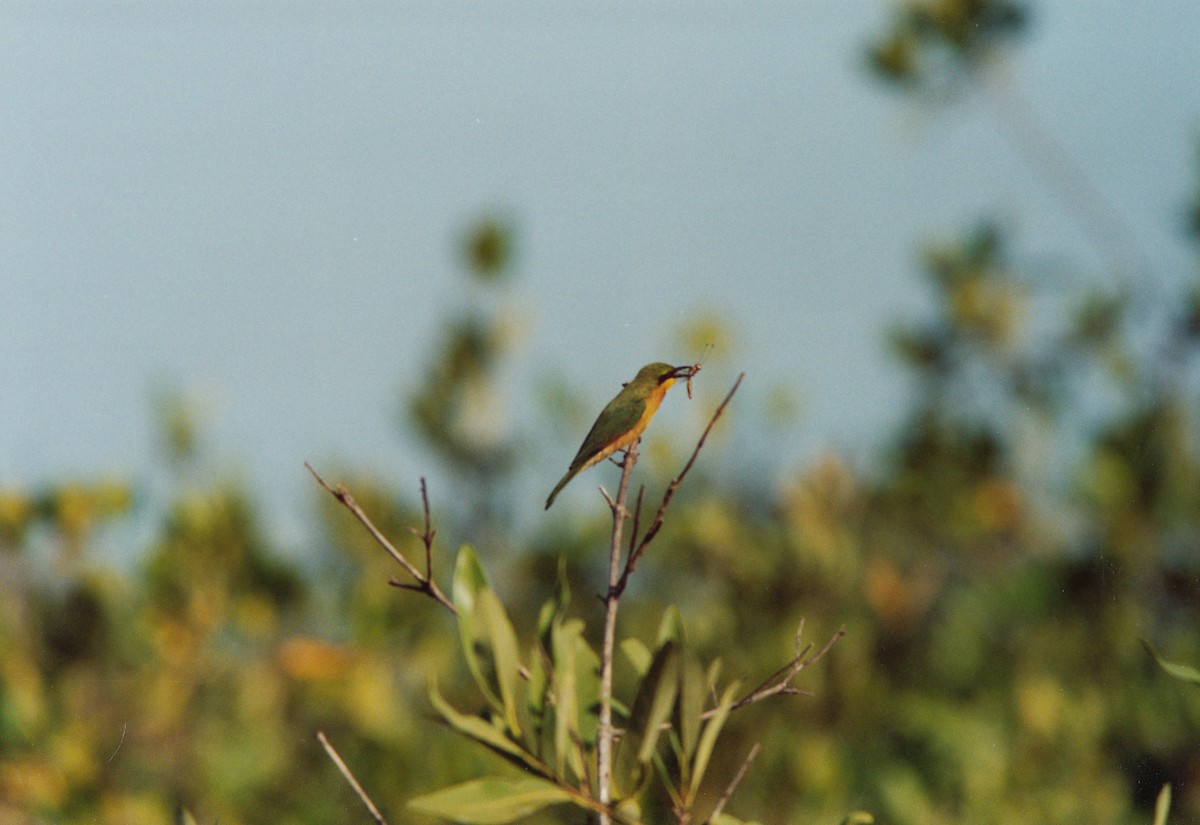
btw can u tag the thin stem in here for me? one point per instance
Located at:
(737, 780)
(636, 552)
(612, 600)
(427, 536)
(341, 766)
(780, 682)
(424, 582)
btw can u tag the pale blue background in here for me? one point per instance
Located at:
(260, 202)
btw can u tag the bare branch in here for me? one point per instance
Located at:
(656, 525)
(779, 682)
(341, 766)
(424, 582)
(427, 536)
(612, 504)
(612, 601)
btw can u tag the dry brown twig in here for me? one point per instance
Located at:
(779, 683)
(349, 777)
(733, 783)
(422, 582)
(656, 525)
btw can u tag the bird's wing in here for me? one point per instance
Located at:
(618, 418)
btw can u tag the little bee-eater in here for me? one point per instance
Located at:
(625, 418)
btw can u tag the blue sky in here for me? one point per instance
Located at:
(259, 202)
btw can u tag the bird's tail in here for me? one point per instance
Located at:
(558, 487)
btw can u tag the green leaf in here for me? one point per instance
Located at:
(1162, 806)
(1184, 672)
(712, 675)
(470, 581)
(576, 691)
(535, 711)
(491, 800)
(555, 607)
(708, 739)
(662, 685)
(692, 690)
(566, 696)
(638, 655)
(501, 639)
(484, 732)
(651, 708)
(587, 685)
(858, 818)
(539, 680)
(670, 628)
(469, 578)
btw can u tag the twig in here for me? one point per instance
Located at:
(423, 582)
(341, 766)
(656, 525)
(124, 728)
(427, 536)
(733, 783)
(612, 600)
(779, 682)
(776, 684)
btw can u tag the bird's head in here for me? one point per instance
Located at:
(660, 373)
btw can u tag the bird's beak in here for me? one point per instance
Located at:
(686, 371)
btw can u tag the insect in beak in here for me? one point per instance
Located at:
(686, 373)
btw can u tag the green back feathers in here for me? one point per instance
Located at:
(622, 413)
(620, 416)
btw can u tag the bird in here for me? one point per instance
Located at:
(623, 421)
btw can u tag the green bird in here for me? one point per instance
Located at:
(625, 418)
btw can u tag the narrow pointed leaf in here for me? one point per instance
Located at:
(662, 701)
(537, 690)
(1185, 672)
(670, 628)
(555, 607)
(470, 581)
(469, 578)
(1162, 806)
(587, 684)
(501, 639)
(712, 675)
(651, 707)
(484, 732)
(491, 800)
(566, 697)
(539, 679)
(638, 655)
(708, 739)
(692, 690)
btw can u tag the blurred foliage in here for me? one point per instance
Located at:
(1033, 518)
(932, 44)
(458, 409)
